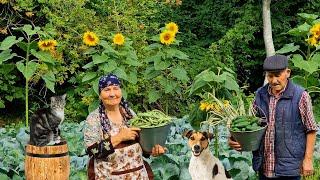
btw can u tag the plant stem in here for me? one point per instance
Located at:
(27, 84)
(216, 141)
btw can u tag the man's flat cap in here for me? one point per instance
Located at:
(275, 63)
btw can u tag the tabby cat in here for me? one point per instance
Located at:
(44, 127)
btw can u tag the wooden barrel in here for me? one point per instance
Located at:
(47, 162)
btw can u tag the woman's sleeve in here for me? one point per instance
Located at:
(96, 146)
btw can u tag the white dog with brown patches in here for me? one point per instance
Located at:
(203, 165)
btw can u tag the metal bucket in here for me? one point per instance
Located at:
(152, 136)
(249, 140)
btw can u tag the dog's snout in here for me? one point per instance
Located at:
(196, 147)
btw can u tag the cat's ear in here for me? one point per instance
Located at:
(64, 96)
(52, 99)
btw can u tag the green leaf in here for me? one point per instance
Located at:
(121, 73)
(108, 48)
(109, 67)
(156, 57)
(97, 59)
(132, 59)
(6, 55)
(89, 76)
(161, 64)
(2, 104)
(9, 41)
(316, 58)
(309, 66)
(176, 53)
(29, 30)
(90, 51)
(167, 85)
(43, 56)
(308, 16)
(301, 30)
(151, 73)
(93, 106)
(28, 70)
(4, 176)
(24, 45)
(50, 80)
(288, 48)
(132, 78)
(95, 85)
(153, 96)
(6, 68)
(89, 65)
(180, 73)
(231, 84)
(153, 46)
(299, 80)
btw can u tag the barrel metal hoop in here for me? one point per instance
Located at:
(47, 155)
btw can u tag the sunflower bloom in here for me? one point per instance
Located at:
(167, 37)
(313, 41)
(47, 45)
(118, 39)
(315, 30)
(203, 106)
(172, 27)
(226, 103)
(90, 38)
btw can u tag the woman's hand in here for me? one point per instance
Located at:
(234, 144)
(127, 134)
(158, 150)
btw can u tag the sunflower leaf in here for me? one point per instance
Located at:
(89, 76)
(288, 48)
(89, 65)
(43, 56)
(9, 41)
(6, 55)
(161, 65)
(180, 73)
(49, 79)
(97, 59)
(153, 96)
(28, 29)
(28, 70)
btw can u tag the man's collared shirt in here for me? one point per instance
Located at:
(305, 108)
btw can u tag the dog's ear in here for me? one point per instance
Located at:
(208, 135)
(187, 133)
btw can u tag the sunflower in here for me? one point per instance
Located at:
(313, 41)
(315, 30)
(203, 106)
(167, 37)
(47, 45)
(118, 39)
(172, 27)
(90, 38)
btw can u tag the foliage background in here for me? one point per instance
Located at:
(214, 34)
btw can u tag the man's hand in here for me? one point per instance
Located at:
(158, 150)
(234, 144)
(306, 167)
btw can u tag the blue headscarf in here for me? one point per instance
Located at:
(106, 81)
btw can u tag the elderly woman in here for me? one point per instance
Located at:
(111, 144)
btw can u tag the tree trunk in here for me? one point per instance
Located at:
(267, 30)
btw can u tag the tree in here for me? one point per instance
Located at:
(267, 30)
